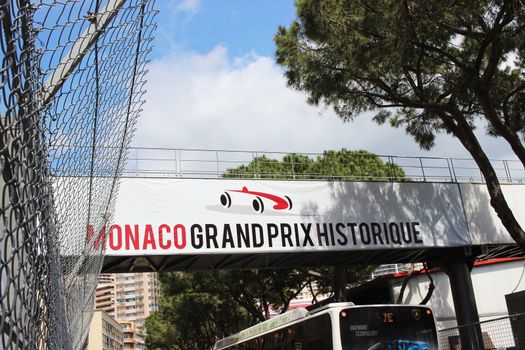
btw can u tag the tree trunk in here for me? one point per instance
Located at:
(497, 200)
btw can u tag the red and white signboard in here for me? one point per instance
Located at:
(192, 216)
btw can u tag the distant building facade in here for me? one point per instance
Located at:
(389, 269)
(137, 297)
(133, 340)
(129, 297)
(105, 333)
(105, 295)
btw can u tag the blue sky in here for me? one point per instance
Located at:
(244, 26)
(213, 83)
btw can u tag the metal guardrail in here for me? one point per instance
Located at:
(203, 163)
(206, 163)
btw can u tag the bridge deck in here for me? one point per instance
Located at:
(160, 263)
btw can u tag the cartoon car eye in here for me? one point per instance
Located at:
(258, 205)
(289, 202)
(226, 200)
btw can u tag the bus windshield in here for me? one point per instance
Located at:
(388, 328)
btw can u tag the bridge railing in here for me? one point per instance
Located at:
(206, 163)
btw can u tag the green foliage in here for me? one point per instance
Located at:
(340, 165)
(436, 64)
(352, 275)
(198, 308)
(252, 290)
(195, 310)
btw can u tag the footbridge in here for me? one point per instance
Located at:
(187, 210)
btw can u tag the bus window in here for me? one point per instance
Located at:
(388, 328)
(317, 333)
(312, 334)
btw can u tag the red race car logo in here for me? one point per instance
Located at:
(279, 203)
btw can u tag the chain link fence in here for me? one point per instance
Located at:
(72, 72)
(501, 333)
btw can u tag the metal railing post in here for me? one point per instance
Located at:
(218, 166)
(422, 169)
(293, 172)
(179, 159)
(450, 170)
(453, 170)
(175, 160)
(507, 171)
(136, 160)
(391, 165)
(256, 168)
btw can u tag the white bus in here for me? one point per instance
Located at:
(341, 326)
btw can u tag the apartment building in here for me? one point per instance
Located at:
(137, 297)
(133, 340)
(129, 297)
(105, 333)
(105, 295)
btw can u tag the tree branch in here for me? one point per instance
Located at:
(465, 32)
(449, 56)
(507, 99)
(412, 83)
(418, 70)
(403, 101)
(503, 18)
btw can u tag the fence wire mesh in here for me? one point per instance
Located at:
(499, 333)
(72, 72)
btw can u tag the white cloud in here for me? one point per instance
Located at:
(209, 101)
(189, 6)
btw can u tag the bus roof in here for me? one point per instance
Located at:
(274, 323)
(262, 327)
(315, 310)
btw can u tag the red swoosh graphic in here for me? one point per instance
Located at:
(280, 203)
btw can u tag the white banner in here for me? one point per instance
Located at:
(484, 225)
(192, 216)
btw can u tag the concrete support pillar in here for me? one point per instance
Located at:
(465, 305)
(339, 283)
